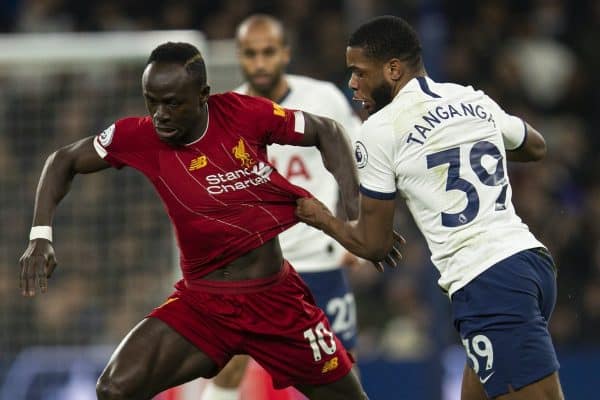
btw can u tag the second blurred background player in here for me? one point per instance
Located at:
(264, 54)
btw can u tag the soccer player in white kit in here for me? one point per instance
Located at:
(443, 148)
(320, 260)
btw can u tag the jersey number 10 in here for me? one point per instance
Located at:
(455, 182)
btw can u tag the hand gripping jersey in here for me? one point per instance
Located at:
(442, 147)
(308, 249)
(222, 195)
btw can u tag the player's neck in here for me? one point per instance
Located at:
(278, 93)
(403, 81)
(201, 126)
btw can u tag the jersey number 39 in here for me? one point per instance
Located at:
(455, 182)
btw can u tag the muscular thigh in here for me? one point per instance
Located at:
(152, 358)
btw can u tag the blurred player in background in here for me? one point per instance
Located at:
(206, 157)
(443, 147)
(264, 54)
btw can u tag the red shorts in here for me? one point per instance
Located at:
(274, 320)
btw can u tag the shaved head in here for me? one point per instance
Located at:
(263, 54)
(264, 23)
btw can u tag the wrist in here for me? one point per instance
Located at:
(327, 223)
(41, 232)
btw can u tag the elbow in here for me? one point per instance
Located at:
(61, 160)
(58, 157)
(535, 145)
(539, 151)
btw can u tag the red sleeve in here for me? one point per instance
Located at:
(128, 141)
(274, 123)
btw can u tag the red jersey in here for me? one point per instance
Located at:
(222, 195)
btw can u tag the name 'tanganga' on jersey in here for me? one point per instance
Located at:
(442, 147)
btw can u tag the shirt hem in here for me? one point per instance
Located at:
(459, 284)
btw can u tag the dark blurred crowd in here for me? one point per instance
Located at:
(537, 59)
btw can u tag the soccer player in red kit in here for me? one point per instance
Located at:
(206, 157)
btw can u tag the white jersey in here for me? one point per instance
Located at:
(442, 147)
(309, 249)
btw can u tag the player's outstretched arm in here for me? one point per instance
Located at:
(532, 149)
(38, 261)
(333, 143)
(371, 236)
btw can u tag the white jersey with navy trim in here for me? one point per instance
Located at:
(442, 147)
(308, 249)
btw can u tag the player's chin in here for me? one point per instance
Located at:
(369, 107)
(174, 138)
(263, 84)
(372, 107)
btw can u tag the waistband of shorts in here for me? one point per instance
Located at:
(244, 286)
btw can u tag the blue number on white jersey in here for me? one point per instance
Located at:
(455, 182)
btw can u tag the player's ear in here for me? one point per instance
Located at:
(204, 93)
(394, 69)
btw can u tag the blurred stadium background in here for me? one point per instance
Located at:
(70, 68)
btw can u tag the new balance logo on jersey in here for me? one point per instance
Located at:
(239, 152)
(198, 162)
(330, 365)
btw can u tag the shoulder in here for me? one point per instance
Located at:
(317, 97)
(237, 100)
(129, 133)
(130, 126)
(134, 122)
(314, 86)
(242, 89)
(235, 106)
(377, 121)
(451, 89)
(377, 128)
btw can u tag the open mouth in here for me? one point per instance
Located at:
(364, 103)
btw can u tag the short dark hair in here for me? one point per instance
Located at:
(184, 54)
(387, 37)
